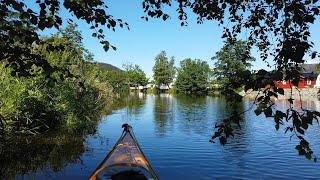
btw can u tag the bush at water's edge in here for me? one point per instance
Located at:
(39, 103)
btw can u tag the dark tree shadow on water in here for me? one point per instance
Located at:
(236, 149)
(25, 155)
(134, 102)
(197, 114)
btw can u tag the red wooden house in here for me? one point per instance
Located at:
(308, 78)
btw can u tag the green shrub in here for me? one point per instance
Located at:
(72, 97)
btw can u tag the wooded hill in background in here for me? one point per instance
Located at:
(108, 67)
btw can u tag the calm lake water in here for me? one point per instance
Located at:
(174, 134)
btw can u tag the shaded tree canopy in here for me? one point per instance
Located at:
(193, 77)
(21, 23)
(281, 31)
(163, 70)
(229, 69)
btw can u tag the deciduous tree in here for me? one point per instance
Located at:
(193, 77)
(117, 79)
(229, 67)
(163, 70)
(136, 76)
(279, 29)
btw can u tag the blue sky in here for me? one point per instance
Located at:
(145, 40)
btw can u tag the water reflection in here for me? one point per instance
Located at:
(306, 104)
(237, 147)
(192, 114)
(134, 102)
(163, 112)
(24, 156)
(174, 133)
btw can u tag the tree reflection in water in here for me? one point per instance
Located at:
(134, 102)
(163, 112)
(24, 156)
(192, 114)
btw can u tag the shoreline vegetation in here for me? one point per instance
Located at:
(78, 91)
(70, 98)
(74, 96)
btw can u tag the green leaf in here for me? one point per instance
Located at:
(281, 91)
(304, 125)
(258, 111)
(114, 48)
(25, 15)
(106, 45)
(224, 6)
(112, 22)
(41, 25)
(34, 19)
(298, 147)
(223, 140)
(268, 112)
(308, 156)
(302, 152)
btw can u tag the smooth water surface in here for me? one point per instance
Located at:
(174, 134)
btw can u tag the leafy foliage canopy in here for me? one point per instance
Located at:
(229, 69)
(281, 32)
(163, 70)
(193, 77)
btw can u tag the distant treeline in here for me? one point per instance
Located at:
(192, 77)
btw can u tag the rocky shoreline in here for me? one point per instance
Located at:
(305, 93)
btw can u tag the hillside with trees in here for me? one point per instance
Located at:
(107, 67)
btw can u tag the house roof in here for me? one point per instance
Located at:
(309, 75)
(308, 68)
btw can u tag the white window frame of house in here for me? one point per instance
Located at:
(308, 81)
(284, 82)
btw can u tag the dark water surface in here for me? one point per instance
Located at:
(174, 134)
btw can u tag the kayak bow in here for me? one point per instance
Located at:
(125, 161)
